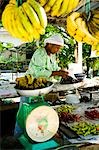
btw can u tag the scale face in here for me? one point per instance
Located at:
(42, 123)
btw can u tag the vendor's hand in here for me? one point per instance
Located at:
(61, 73)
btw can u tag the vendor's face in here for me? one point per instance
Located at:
(53, 48)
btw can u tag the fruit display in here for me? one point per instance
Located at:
(59, 7)
(69, 117)
(28, 82)
(26, 21)
(65, 108)
(78, 27)
(92, 114)
(85, 128)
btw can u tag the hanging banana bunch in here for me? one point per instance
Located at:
(26, 21)
(84, 26)
(59, 8)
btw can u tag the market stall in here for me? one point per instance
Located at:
(53, 115)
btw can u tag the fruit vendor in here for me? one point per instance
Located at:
(43, 62)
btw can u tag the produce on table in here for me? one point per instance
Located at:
(28, 82)
(65, 108)
(26, 22)
(85, 128)
(69, 117)
(92, 114)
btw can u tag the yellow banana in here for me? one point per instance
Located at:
(71, 33)
(14, 26)
(25, 22)
(40, 12)
(33, 17)
(31, 14)
(70, 6)
(12, 2)
(19, 28)
(51, 2)
(88, 38)
(7, 20)
(33, 33)
(75, 4)
(42, 2)
(10, 19)
(71, 21)
(63, 8)
(5, 13)
(79, 30)
(47, 8)
(48, 5)
(78, 38)
(56, 7)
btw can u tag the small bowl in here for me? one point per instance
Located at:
(80, 76)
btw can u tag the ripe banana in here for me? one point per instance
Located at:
(63, 8)
(4, 15)
(7, 20)
(40, 12)
(70, 6)
(75, 4)
(10, 19)
(79, 30)
(88, 38)
(31, 14)
(12, 2)
(33, 17)
(25, 22)
(42, 2)
(71, 24)
(55, 8)
(19, 28)
(14, 25)
(48, 5)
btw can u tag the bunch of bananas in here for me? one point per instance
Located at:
(59, 7)
(93, 23)
(29, 82)
(77, 27)
(26, 22)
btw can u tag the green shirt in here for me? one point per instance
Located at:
(41, 64)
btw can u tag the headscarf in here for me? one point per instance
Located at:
(55, 39)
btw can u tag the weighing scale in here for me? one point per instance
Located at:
(39, 122)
